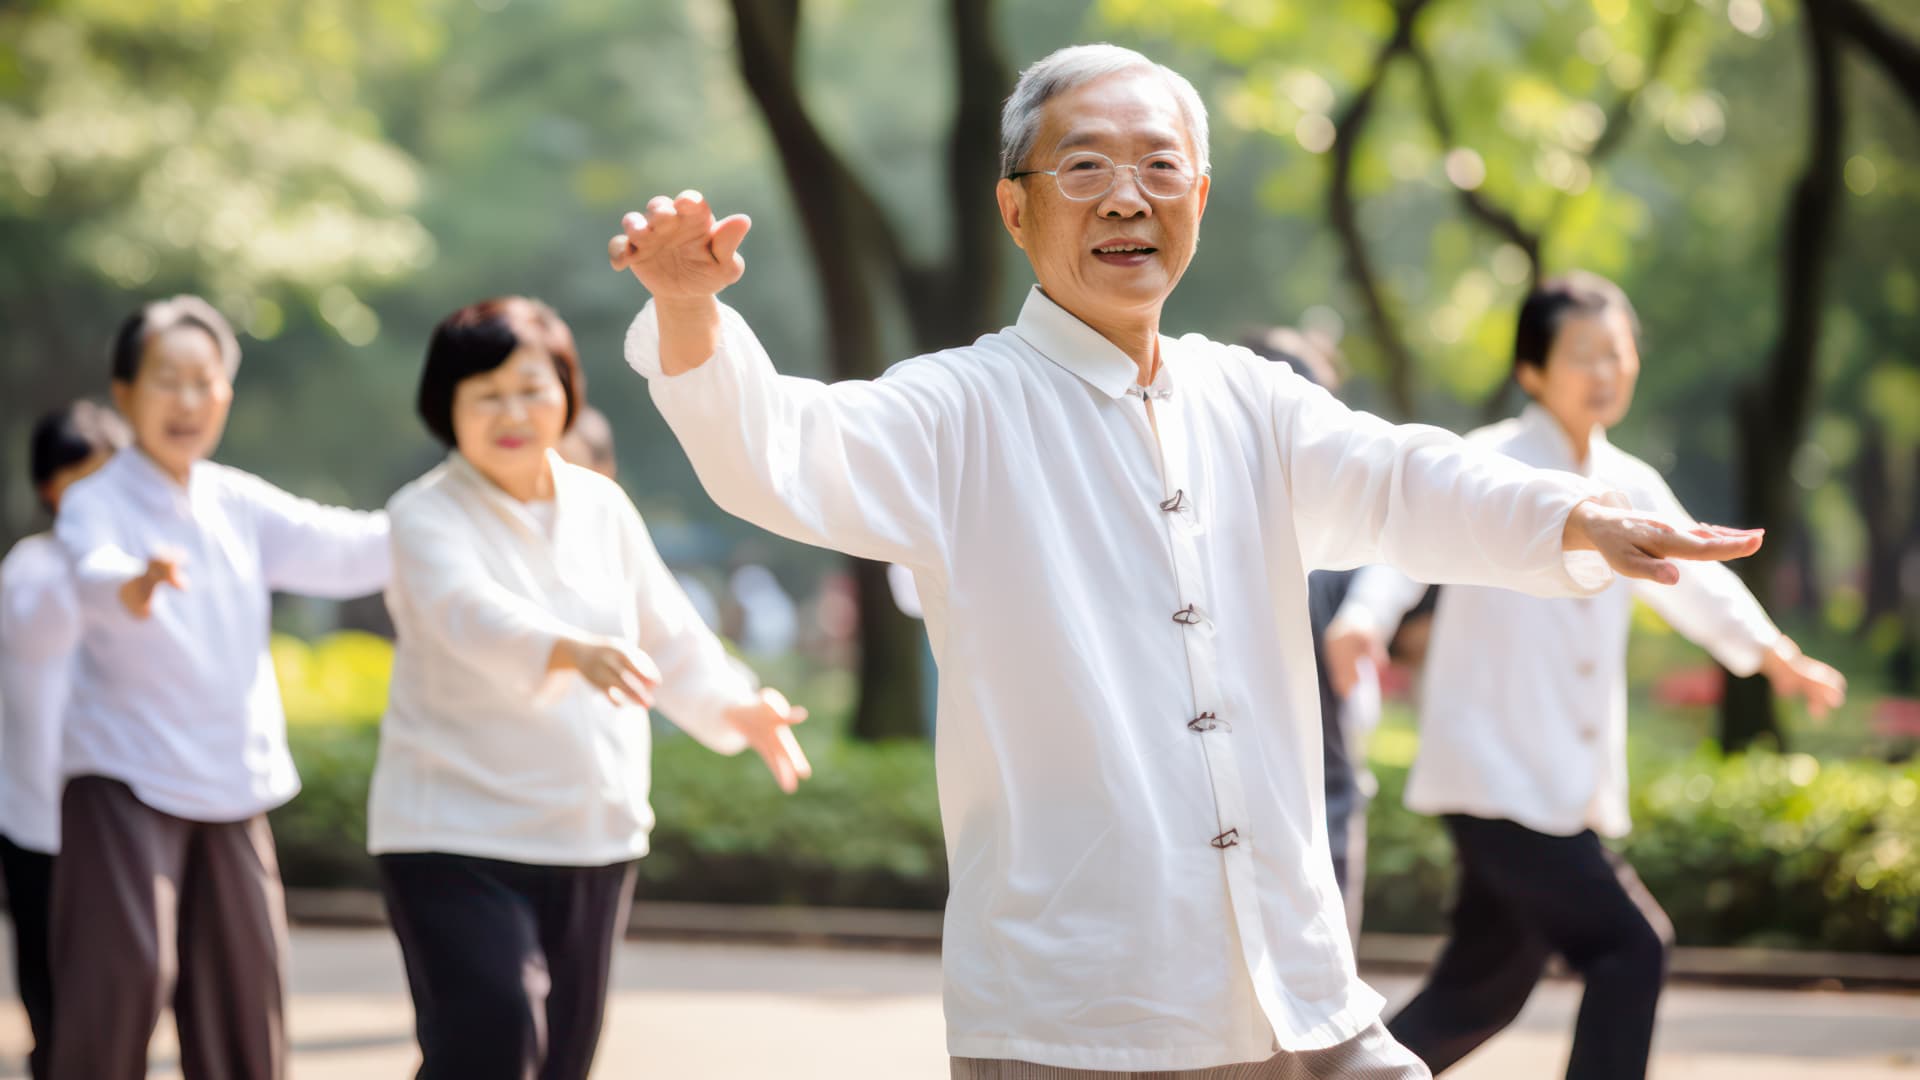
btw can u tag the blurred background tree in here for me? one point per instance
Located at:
(338, 174)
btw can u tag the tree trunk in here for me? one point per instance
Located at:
(1772, 415)
(854, 250)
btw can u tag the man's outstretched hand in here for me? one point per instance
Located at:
(1637, 544)
(677, 249)
(684, 258)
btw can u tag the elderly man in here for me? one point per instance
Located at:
(1110, 531)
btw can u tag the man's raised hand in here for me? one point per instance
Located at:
(677, 250)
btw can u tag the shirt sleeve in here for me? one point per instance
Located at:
(456, 600)
(852, 466)
(1437, 507)
(39, 613)
(699, 681)
(1710, 606)
(99, 562)
(1377, 600)
(316, 550)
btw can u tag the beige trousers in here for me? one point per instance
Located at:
(1370, 1055)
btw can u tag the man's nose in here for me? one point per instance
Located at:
(1126, 198)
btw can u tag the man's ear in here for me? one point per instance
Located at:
(1012, 197)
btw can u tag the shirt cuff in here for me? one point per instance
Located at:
(1581, 573)
(643, 343)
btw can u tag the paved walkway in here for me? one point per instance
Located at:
(740, 1012)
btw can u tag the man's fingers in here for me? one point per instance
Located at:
(619, 250)
(1638, 563)
(1719, 545)
(727, 236)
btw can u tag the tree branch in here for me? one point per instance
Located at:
(1495, 217)
(1897, 56)
(1620, 117)
(1344, 214)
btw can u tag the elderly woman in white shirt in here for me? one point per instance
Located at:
(175, 745)
(39, 631)
(1523, 719)
(536, 626)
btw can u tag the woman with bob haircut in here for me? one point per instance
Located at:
(536, 627)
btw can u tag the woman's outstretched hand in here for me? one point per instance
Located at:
(768, 725)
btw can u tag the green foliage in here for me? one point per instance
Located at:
(1755, 849)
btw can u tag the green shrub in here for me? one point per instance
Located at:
(1759, 848)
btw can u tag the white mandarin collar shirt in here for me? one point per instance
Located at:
(1128, 746)
(39, 630)
(481, 751)
(1523, 705)
(183, 706)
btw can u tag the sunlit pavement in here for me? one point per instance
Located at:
(733, 1012)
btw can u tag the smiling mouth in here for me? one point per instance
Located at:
(1125, 249)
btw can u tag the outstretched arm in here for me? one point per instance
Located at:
(854, 466)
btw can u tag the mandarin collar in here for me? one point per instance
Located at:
(1061, 337)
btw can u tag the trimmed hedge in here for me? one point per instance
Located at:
(1762, 848)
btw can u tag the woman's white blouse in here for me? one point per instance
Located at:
(482, 752)
(39, 631)
(182, 706)
(1523, 707)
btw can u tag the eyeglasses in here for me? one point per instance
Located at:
(1088, 175)
(529, 400)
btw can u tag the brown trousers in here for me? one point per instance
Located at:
(149, 908)
(1370, 1055)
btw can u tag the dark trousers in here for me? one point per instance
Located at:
(29, 878)
(1524, 896)
(507, 962)
(149, 907)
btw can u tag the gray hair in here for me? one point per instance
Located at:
(1071, 68)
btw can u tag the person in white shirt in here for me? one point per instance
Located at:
(1110, 531)
(535, 625)
(175, 744)
(39, 630)
(1523, 719)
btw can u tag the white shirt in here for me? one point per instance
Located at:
(183, 706)
(39, 630)
(1523, 706)
(481, 751)
(1128, 747)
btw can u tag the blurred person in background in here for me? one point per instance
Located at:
(588, 443)
(39, 631)
(167, 888)
(1523, 719)
(536, 625)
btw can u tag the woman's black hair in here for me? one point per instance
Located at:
(160, 316)
(68, 436)
(1550, 303)
(477, 339)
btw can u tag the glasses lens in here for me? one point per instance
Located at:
(1085, 176)
(1166, 176)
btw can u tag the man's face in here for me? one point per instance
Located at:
(1118, 256)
